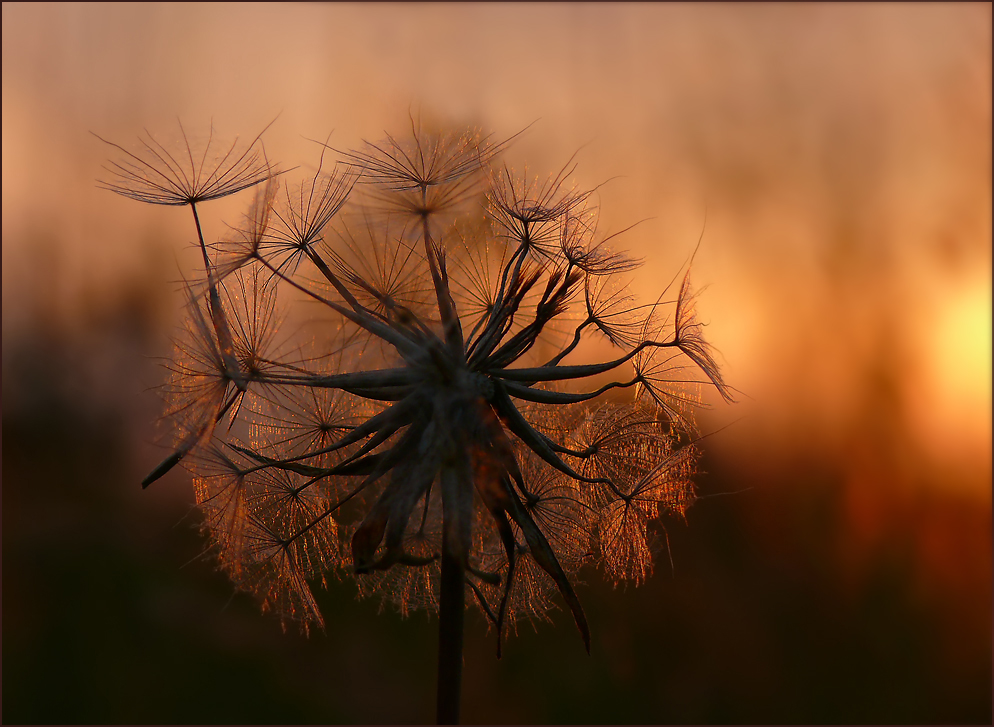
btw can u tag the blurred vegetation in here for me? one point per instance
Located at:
(845, 155)
(811, 595)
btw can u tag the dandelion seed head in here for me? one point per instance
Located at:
(430, 411)
(185, 171)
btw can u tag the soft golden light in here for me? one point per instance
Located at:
(955, 406)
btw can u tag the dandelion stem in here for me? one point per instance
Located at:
(452, 596)
(200, 235)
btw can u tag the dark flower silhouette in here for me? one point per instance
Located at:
(431, 433)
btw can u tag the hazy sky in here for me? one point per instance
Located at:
(837, 157)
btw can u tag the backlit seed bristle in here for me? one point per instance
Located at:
(427, 407)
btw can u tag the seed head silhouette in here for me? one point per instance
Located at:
(431, 433)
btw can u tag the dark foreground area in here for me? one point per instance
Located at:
(811, 596)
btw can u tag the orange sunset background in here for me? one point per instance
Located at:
(834, 160)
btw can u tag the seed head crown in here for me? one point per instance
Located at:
(434, 410)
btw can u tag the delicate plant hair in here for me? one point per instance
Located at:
(421, 424)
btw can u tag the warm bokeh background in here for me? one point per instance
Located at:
(838, 160)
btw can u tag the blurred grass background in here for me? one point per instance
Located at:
(843, 156)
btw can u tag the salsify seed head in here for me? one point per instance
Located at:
(379, 371)
(186, 171)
